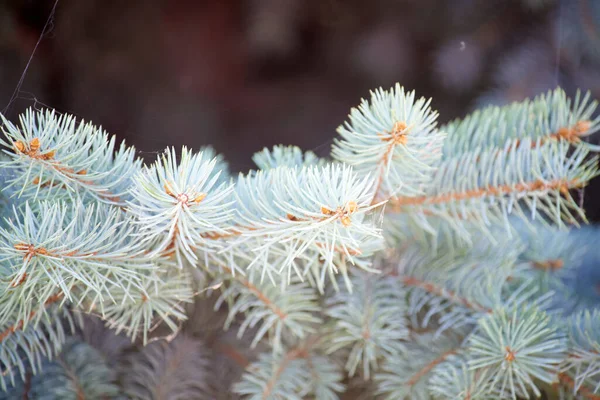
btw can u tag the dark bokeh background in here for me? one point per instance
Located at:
(244, 74)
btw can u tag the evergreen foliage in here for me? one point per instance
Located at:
(420, 262)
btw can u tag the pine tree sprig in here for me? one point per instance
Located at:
(177, 370)
(394, 137)
(453, 379)
(180, 206)
(519, 347)
(160, 301)
(24, 344)
(78, 372)
(407, 375)
(66, 246)
(275, 313)
(369, 322)
(294, 374)
(319, 211)
(484, 187)
(548, 117)
(455, 288)
(583, 363)
(51, 151)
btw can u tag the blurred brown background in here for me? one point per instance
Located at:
(244, 74)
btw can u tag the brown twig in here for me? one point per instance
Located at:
(427, 368)
(19, 324)
(397, 136)
(398, 204)
(443, 292)
(32, 150)
(301, 351)
(256, 292)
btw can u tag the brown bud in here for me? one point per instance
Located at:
(169, 190)
(510, 355)
(399, 127)
(581, 127)
(19, 146)
(351, 207)
(326, 211)
(34, 145)
(49, 155)
(200, 197)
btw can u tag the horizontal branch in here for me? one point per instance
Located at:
(19, 325)
(443, 292)
(261, 296)
(568, 121)
(571, 134)
(256, 292)
(301, 351)
(398, 204)
(427, 368)
(74, 176)
(30, 251)
(32, 150)
(342, 213)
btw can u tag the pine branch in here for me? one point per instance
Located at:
(69, 246)
(293, 213)
(51, 152)
(406, 376)
(22, 323)
(136, 311)
(277, 376)
(78, 373)
(485, 189)
(427, 368)
(453, 379)
(518, 346)
(395, 137)
(443, 293)
(164, 370)
(25, 343)
(553, 259)
(275, 211)
(582, 366)
(550, 116)
(276, 313)
(369, 322)
(456, 288)
(178, 206)
(260, 295)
